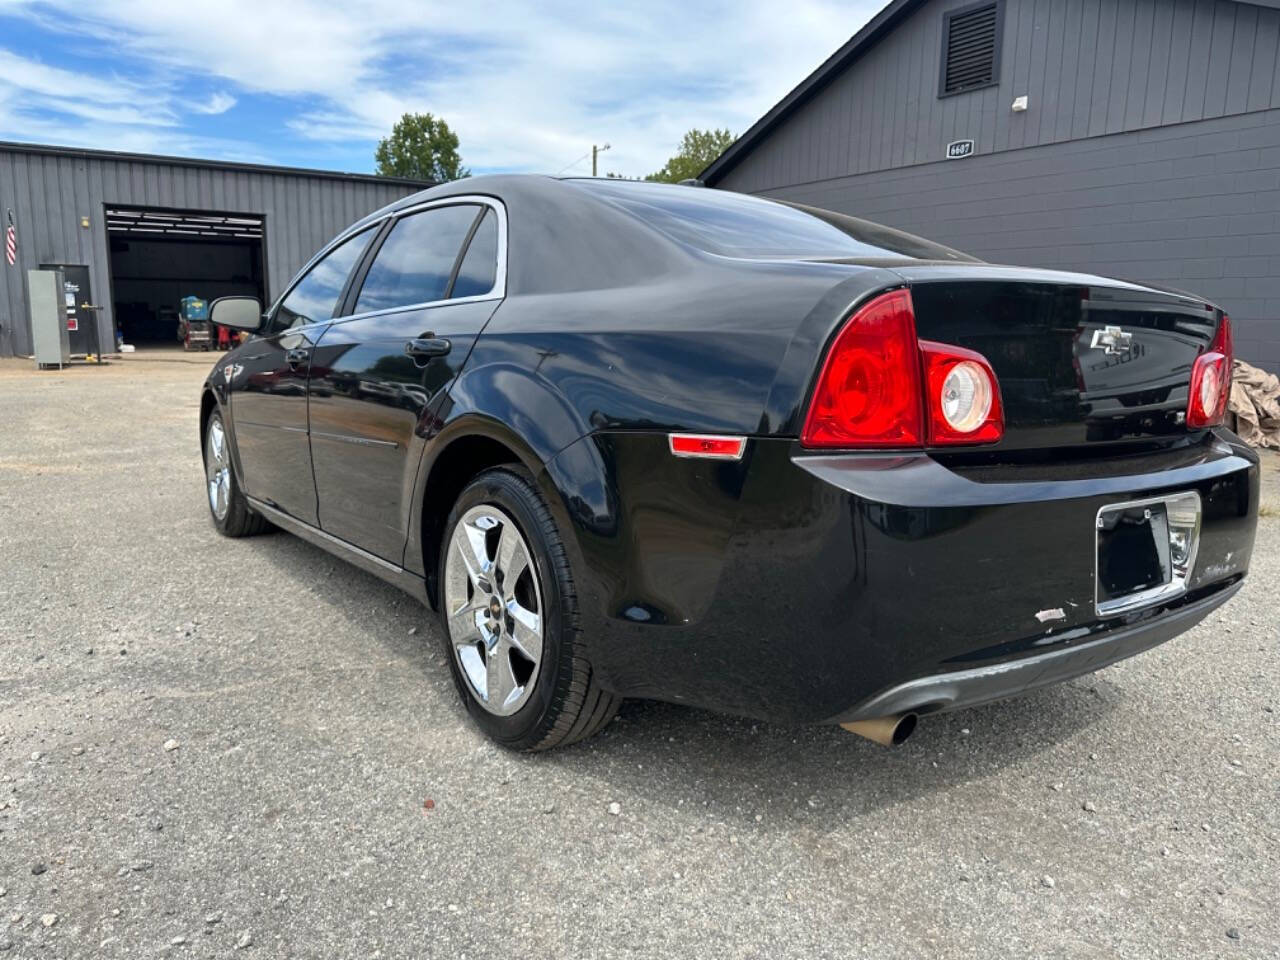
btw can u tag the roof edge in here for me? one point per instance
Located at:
(85, 153)
(858, 44)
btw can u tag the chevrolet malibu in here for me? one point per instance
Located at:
(637, 440)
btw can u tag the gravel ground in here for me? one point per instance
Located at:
(208, 745)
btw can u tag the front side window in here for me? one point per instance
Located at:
(315, 297)
(415, 262)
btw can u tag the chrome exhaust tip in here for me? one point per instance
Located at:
(887, 731)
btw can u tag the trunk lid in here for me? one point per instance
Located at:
(1080, 360)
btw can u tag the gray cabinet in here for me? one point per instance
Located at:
(49, 334)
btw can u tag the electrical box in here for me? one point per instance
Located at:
(48, 318)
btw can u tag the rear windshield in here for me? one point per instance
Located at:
(736, 225)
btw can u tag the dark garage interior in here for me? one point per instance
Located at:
(160, 256)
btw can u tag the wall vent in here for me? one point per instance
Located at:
(970, 48)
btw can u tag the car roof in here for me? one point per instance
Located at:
(570, 233)
(558, 237)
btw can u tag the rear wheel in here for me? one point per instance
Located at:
(509, 612)
(228, 507)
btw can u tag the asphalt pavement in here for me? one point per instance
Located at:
(249, 748)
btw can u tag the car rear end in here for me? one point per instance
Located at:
(967, 481)
(1035, 476)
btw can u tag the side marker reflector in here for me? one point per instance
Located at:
(707, 447)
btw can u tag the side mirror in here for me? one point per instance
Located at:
(240, 313)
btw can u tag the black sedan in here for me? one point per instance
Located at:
(636, 440)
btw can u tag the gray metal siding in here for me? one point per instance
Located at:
(1194, 206)
(1089, 67)
(49, 193)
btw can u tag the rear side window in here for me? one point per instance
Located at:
(416, 260)
(736, 225)
(479, 270)
(315, 297)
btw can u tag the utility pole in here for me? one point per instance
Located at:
(596, 151)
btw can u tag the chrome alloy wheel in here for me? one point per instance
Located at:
(493, 602)
(217, 468)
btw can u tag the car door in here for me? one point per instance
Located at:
(268, 386)
(381, 373)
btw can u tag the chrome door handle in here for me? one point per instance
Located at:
(296, 358)
(426, 347)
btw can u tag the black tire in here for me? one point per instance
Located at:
(566, 703)
(239, 520)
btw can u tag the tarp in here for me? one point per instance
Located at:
(193, 308)
(1255, 405)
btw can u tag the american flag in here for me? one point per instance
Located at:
(11, 242)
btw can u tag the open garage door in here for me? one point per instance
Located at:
(158, 257)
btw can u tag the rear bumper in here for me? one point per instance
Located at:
(805, 588)
(1071, 656)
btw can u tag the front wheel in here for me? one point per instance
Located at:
(228, 507)
(509, 612)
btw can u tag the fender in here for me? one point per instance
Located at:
(529, 406)
(497, 401)
(215, 387)
(655, 529)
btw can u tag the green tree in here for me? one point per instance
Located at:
(421, 147)
(697, 150)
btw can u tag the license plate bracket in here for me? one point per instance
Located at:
(1145, 551)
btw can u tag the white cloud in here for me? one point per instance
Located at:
(526, 86)
(129, 139)
(217, 103)
(42, 79)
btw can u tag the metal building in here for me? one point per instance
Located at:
(1133, 138)
(134, 234)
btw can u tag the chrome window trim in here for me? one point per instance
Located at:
(499, 289)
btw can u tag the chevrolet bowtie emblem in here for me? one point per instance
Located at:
(1111, 340)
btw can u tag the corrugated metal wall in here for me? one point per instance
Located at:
(50, 191)
(1089, 67)
(1151, 149)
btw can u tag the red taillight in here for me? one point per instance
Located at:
(1211, 380)
(868, 393)
(872, 392)
(961, 395)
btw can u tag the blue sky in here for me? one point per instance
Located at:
(527, 86)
